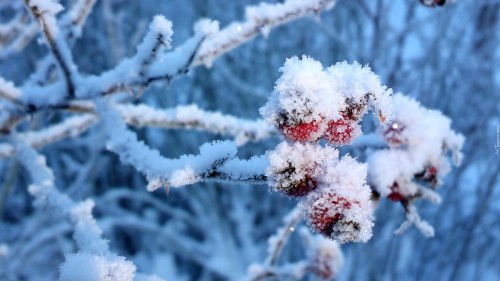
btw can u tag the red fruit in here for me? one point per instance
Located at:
(302, 132)
(322, 269)
(339, 131)
(393, 134)
(326, 214)
(432, 171)
(395, 195)
(300, 188)
(429, 174)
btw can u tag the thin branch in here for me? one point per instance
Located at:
(86, 232)
(58, 47)
(68, 128)
(260, 19)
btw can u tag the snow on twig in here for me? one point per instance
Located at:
(45, 12)
(259, 19)
(86, 232)
(184, 117)
(70, 127)
(216, 161)
(94, 257)
(191, 116)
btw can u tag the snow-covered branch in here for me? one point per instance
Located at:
(45, 14)
(94, 256)
(86, 232)
(192, 117)
(260, 19)
(216, 161)
(71, 25)
(277, 241)
(70, 127)
(181, 117)
(323, 257)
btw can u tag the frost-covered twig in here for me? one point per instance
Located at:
(98, 262)
(71, 25)
(216, 161)
(185, 117)
(259, 19)
(193, 117)
(9, 91)
(86, 232)
(70, 127)
(278, 240)
(10, 29)
(45, 13)
(323, 257)
(412, 217)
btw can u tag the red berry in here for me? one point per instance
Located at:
(393, 134)
(302, 132)
(340, 131)
(299, 188)
(323, 270)
(395, 194)
(326, 216)
(432, 171)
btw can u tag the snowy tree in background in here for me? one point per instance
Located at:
(311, 144)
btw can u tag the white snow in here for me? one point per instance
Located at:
(427, 135)
(334, 99)
(88, 267)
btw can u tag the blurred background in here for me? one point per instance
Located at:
(447, 57)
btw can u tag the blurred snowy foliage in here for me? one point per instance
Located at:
(447, 58)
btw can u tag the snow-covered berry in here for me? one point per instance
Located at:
(295, 169)
(326, 258)
(302, 132)
(340, 208)
(395, 194)
(342, 131)
(394, 135)
(327, 215)
(309, 103)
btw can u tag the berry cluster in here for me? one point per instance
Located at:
(335, 199)
(416, 160)
(309, 104)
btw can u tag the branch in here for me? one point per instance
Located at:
(412, 217)
(10, 29)
(68, 128)
(86, 232)
(192, 117)
(259, 19)
(278, 240)
(185, 117)
(71, 27)
(45, 14)
(216, 161)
